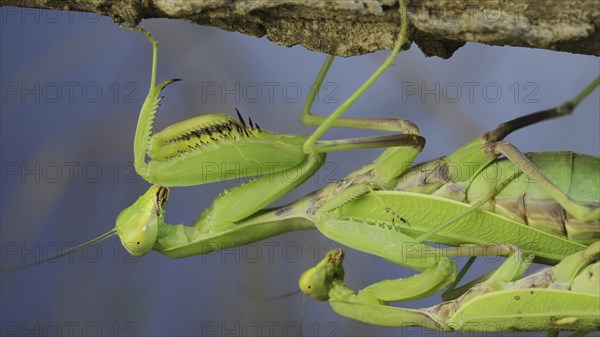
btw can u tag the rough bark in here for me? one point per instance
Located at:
(353, 27)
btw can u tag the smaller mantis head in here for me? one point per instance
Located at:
(137, 225)
(317, 281)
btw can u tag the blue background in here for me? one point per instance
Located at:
(46, 131)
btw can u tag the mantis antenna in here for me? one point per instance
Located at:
(63, 252)
(249, 294)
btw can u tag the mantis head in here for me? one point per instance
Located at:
(137, 225)
(317, 281)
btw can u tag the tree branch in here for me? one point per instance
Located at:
(353, 27)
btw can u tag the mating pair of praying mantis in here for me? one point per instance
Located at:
(365, 210)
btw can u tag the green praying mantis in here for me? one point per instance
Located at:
(141, 227)
(562, 297)
(359, 211)
(179, 152)
(524, 214)
(347, 211)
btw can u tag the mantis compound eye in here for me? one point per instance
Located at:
(137, 225)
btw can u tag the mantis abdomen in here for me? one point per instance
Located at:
(515, 195)
(577, 175)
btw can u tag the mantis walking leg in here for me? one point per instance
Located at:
(334, 119)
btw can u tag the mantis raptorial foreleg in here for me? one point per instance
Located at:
(550, 299)
(178, 153)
